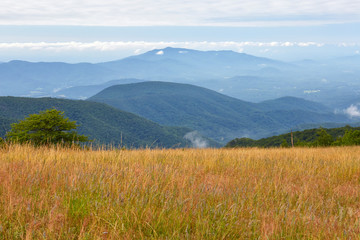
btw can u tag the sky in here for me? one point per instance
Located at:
(96, 31)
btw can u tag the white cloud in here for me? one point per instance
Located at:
(196, 139)
(160, 53)
(311, 91)
(141, 46)
(137, 51)
(352, 111)
(75, 51)
(324, 80)
(177, 12)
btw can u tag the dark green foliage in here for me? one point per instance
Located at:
(350, 138)
(284, 144)
(243, 142)
(47, 127)
(324, 139)
(345, 136)
(5, 124)
(102, 123)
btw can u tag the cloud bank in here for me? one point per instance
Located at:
(178, 12)
(139, 45)
(99, 51)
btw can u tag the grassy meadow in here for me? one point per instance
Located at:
(300, 193)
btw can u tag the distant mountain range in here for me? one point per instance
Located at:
(195, 90)
(102, 123)
(20, 78)
(189, 65)
(214, 115)
(170, 64)
(333, 82)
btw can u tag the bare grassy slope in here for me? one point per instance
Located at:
(178, 194)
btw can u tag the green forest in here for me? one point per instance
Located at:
(317, 137)
(104, 125)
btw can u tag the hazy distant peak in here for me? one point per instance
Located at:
(170, 50)
(294, 103)
(17, 61)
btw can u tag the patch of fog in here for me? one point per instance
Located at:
(324, 80)
(36, 92)
(196, 139)
(311, 91)
(55, 90)
(160, 53)
(352, 111)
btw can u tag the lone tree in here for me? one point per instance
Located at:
(47, 127)
(324, 139)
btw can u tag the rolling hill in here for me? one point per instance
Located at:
(104, 124)
(292, 103)
(43, 78)
(214, 115)
(83, 92)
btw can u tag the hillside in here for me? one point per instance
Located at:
(83, 92)
(5, 125)
(292, 103)
(307, 136)
(215, 115)
(101, 122)
(43, 78)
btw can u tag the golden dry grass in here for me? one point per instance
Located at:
(49, 193)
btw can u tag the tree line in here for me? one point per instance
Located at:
(351, 137)
(320, 137)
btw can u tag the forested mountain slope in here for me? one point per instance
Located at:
(104, 124)
(215, 115)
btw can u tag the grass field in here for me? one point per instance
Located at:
(309, 193)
